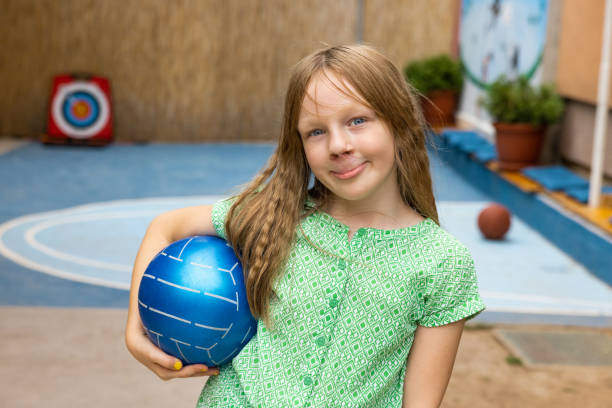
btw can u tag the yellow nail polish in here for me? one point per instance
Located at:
(178, 365)
(204, 370)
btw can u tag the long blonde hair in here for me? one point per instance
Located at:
(261, 224)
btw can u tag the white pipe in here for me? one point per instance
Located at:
(601, 115)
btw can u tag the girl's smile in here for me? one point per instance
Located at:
(350, 173)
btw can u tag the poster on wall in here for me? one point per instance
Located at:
(498, 37)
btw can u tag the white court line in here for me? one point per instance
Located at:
(544, 299)
(30, 237)
(85, 211)
(548, 311)
(70, 211)
(60, 273)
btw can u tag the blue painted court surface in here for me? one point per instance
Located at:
(72, 219)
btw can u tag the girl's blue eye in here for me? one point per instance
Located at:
(315, 132)
(357, 121)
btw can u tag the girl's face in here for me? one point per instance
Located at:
(349, 149)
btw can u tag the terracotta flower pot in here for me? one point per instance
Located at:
(518, 144)
(439, 110)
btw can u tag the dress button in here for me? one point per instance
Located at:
(307, 380)
(341, 264)
(320, 341)
(333, 302)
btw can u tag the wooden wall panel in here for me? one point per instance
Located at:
(411, 29)
(192, 70)
(580, 49)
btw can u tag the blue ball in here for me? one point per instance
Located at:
(193, 303)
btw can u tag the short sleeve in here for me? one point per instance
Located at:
(219, 215)
(451, 290)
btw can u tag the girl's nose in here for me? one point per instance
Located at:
(339, 142)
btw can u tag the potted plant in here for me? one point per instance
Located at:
(521, 114)
(439, 80)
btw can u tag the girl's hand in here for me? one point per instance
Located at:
(165, 366)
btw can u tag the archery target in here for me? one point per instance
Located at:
(80, 109)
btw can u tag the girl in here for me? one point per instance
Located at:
(361, 296)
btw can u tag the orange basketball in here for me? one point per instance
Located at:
(494, 221)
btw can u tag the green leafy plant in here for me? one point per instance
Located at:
(516, 101)
(434, 74)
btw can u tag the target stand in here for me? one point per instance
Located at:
(80, 111)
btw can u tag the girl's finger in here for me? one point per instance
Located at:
(197, 370)
(211, 371)
(162, 372)
(162, 359)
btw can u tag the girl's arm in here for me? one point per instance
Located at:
(163, 230)
(430, 364)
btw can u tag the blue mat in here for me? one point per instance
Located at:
(471, 143)
(555, 178)
(559, 178)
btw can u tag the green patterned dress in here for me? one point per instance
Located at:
(345, 313)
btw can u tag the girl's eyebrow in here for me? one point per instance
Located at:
(306, 126)
(309, 120)
(313, 120)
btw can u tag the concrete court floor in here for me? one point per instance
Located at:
(73, 357)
